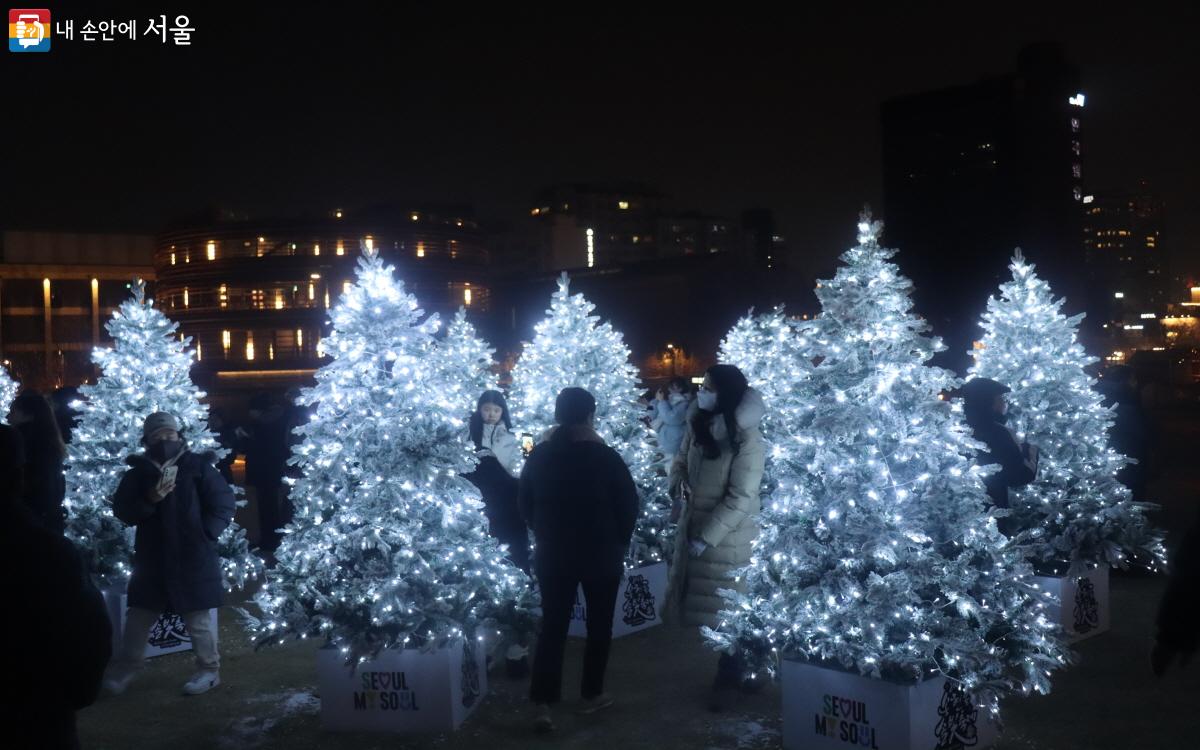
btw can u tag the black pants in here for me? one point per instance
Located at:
(730, 672)
(274, 512)
(558, 598)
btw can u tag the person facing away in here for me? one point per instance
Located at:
(578, 496)
(1178, 625)
(180, 504)
(65, 636)
(717, 473)
(671, 409)
(499, 455)
(985, 412)
(45, 486)
(265, 445)
(1131, 433)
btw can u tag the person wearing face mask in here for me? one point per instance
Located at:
(717, 474)
(180, 504)
(671, 409)
(986, 412)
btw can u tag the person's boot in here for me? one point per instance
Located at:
(117, 680)
(595, 703)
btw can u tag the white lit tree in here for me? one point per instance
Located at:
(884, 561)
(573, 347)
(145, 371)
(8, 392)
(468, 360)
(392, 552)
(1075, 514)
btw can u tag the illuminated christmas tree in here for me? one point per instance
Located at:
(884, 561)
(8, 391)
(468, 360)
(1075, 514)
(572, 347)
(392, 551)
(145, 371)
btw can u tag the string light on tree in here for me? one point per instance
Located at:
(145, 371)
(469, 363)
(884, 561)
(572, 347)
(1075, 514)
(8, 392)
(389, 546)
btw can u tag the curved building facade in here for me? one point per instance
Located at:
(254, 295)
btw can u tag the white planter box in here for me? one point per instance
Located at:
(168, 636)
(402, 691)
(639, 602)
(1082, 604)
(826, 709)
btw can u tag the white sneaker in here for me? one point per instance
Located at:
(117, 682)
(201, 683)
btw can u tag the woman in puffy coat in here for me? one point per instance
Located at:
(717, 473)
(671, 407)
(499, 456)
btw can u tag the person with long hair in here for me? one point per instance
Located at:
(44, 486)
(671, 409)
(499, 456)
(716, 474)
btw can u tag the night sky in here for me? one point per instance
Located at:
(277, 110)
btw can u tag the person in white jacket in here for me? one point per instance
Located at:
(499, 456)
(671, 409)
(717, 473)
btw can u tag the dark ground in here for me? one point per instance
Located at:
(1108, 701)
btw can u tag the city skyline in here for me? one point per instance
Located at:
(490, 111)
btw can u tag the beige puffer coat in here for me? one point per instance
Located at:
(723, 511)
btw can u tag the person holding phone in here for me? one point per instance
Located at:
(986, 412)
(180, 504)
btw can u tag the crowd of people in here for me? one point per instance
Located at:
(572, 493)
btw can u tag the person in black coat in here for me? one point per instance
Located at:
(265, 444)
(175, 562)
(1179, 611)
(1130, 434)
(64, 647)
(984, 409)
(45, 486)
(578, 496)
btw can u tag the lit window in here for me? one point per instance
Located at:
(300, 338)
(316, 248)
(172, 258)
(369, 242)
(345, 287)
(326, 299)
(1119, 295)
(312, 291)
(420, 249)
(623, 205)
(415, 216)
(1076, 171)
(271, 350)
(225, 339)
(337, 214)
(1089, 199)
(591, 248)
(1076, 100)
(1075, 124)
(467, 295)
(341, 249)
(249, 346)
(185, 296)
(278, 299)
(224, 300)
(211, 249)
(199, 353)
(535, 212)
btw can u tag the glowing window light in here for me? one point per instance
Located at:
(271, 351)
(224, 300)
(337, 214)
(591, 248)
(1119, 295)
(623, 205)
(211, 249)
(346, 287)
(185, 296)
(326, 299)
(300, 338)
(225, 340)
(341, 248)
(420, 249)
(467, 295)
(199, 354)
(172, 258)
(415, 216)
(1077, 100)
(278, 299)
(1148, 316)
(312, 291)
(316, 248)
(249, 346)
(369, 242)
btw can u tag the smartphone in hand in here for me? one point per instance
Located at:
(168, 476)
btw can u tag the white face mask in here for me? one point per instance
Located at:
(707, 400)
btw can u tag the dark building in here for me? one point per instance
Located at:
(254, 295)
(57, 291)
(972, 172)
(1126, 256)
(764, 244)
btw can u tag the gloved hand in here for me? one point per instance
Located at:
(696, 547)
